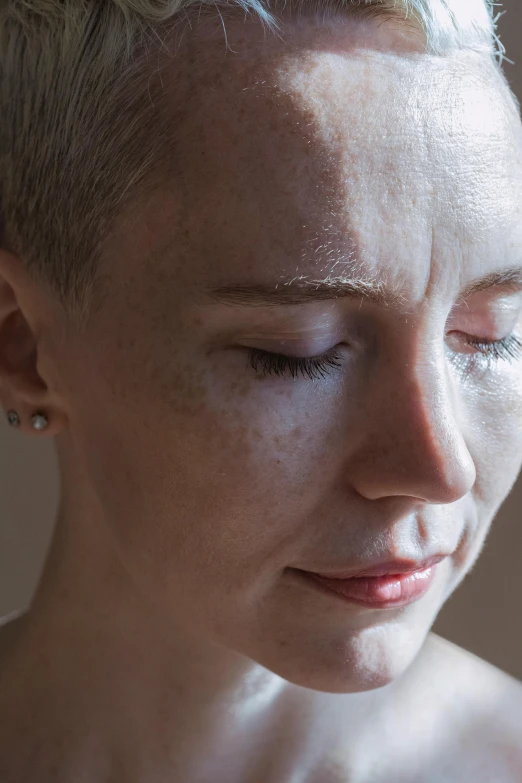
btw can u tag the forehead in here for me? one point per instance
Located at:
(296, 155)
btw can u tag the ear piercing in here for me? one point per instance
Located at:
(39, 420)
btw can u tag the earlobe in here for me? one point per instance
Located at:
(20, 381)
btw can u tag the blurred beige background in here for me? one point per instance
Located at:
(483, 616)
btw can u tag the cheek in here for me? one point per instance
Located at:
(495, 435)
(198, 475)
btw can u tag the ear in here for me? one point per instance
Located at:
(22, 329)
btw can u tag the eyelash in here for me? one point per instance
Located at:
(508, 349)
(277, 364)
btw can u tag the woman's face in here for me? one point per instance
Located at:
(218, 471)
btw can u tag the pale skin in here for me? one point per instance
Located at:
(168, 639)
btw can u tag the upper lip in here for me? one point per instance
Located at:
(384, 569)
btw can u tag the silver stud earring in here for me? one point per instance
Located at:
(40, 421)
(13, 418)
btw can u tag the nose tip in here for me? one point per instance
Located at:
(456, 472)
(417, 447)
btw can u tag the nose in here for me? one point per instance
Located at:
(412, 442)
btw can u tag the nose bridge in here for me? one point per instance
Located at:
(418, 447)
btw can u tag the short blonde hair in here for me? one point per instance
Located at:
(80, 135)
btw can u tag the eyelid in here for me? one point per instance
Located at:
(491, 297)
(299, 346)
(500, 315)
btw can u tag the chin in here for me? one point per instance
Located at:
(370, 659)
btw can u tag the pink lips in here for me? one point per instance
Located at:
(382, 591)
(391, 567)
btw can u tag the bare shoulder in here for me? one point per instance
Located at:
(481, 712)
(487, 684)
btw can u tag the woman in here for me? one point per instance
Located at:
(261, 281)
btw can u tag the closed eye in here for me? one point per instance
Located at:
(314, 367)
(318, 367)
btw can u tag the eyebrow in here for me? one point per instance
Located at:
(300, 291)
(511, 279)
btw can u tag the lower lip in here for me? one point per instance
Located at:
(378, 592)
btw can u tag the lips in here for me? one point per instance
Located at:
(379, 592)
(390, 568)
